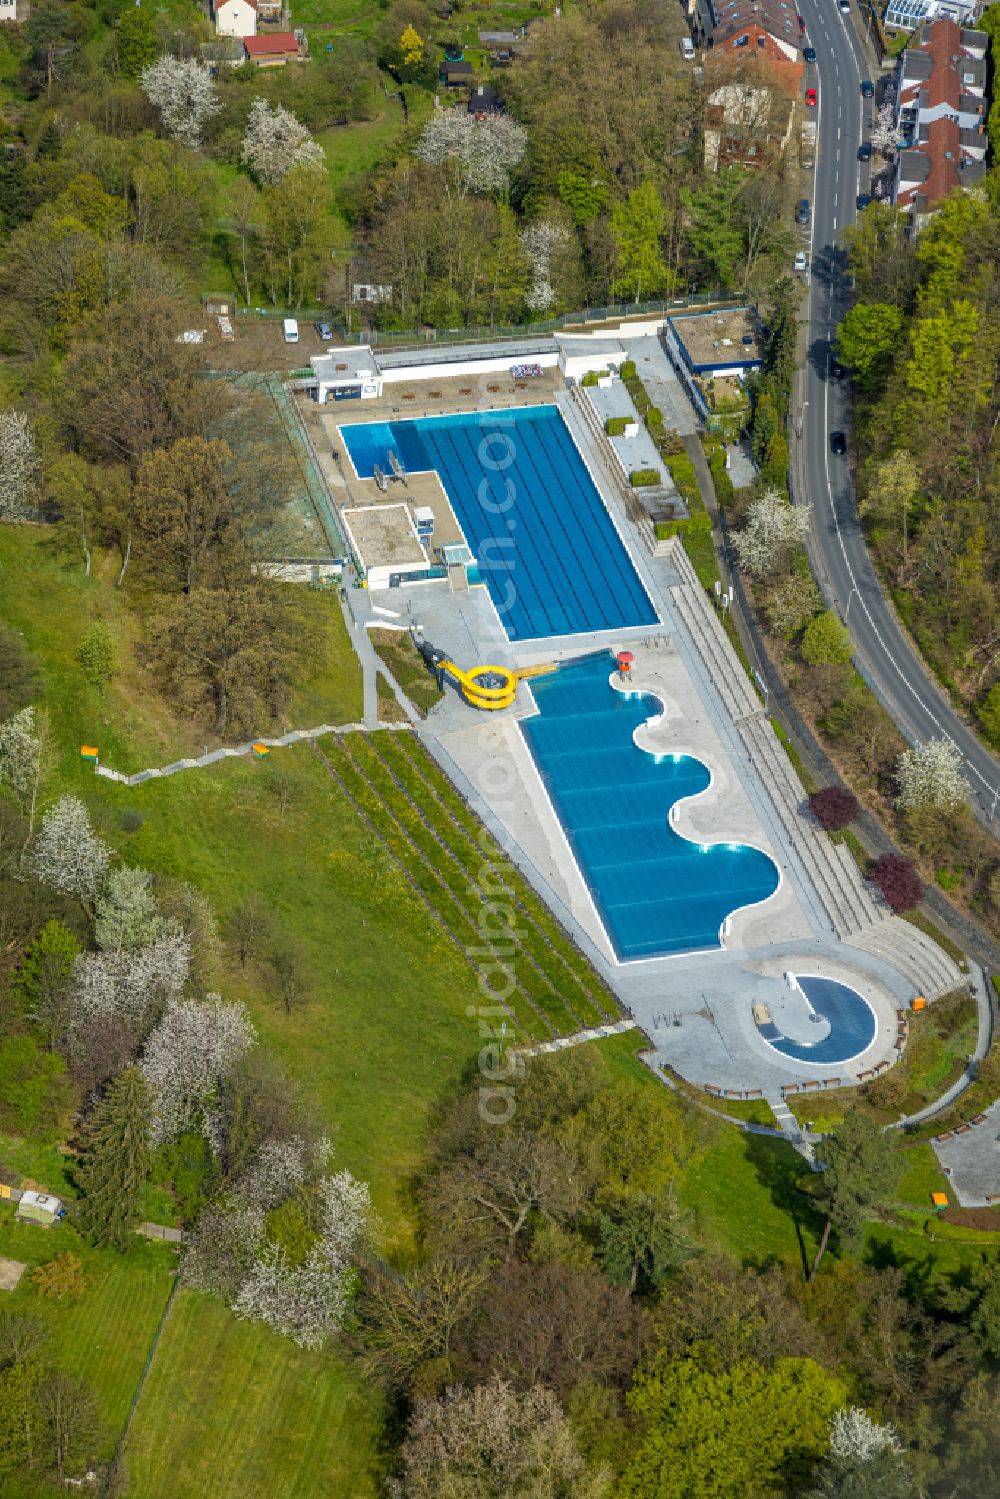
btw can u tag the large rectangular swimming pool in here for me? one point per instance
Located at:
(656, 892)
(546, 545)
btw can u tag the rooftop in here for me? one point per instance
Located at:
(726, 335)
(774, 16)
(384, 535)
(275, 41)
(347, 364)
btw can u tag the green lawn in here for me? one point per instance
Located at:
(105, 1336)
(921, 1177)
(231, 1410)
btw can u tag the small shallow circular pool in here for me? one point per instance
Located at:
(851, 1019)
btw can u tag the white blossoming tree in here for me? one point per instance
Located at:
(224, 1247)
(126, 917)
(275, 141)
(931, 776)
(189, 1054)
(184, 92)
(883, 136)
(132, 986)
(20, 754)
(483, 153)
(541, 242)
(856, 1437)
(347, 1221)
(67, 855)
(773, 530)
(280, 1167)
(306, 1303)
(18, 465)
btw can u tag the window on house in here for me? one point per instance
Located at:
(762, 41)
(742, 41)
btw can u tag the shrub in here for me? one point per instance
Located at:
(97, 655)
(35, 1093)
(888, 1091)
(642, 478)
(131, 820)
(615, 425)
(654, 420)
(725, 492)
(671, 443)
(628, 370)
(61, 1279)
(826, 642)
(897, 880)
(683, 474)
(834, 807)
(592, 376)
(948, 879)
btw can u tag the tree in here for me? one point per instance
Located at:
(307, 1303)
(482, 153)
(20, 755)
(865, 1461)
(931, 776)
(115, 1161)
(411, 46)
(275, 141)
(61, 1279)
(135, 986)
(67, 854)
(18, 1414)
(184, 92)
(645, 1239)
(45, 978)
(50, 31)
(989, 715)
(867, 339)
(290, 973)
(410, 1321)
(250, 928)
(826, 641)
(493, 1441)
(136, 42)
(861, 1168)
(714, 1435)
(940, 345)
(293, 242)
(70, 1424)
(897, 880)
(891, 492)
(713, 233)
(884, 134)
(18, 673)
(541, 243)
(183, 511)
(637, 226)
(194, 1047)
(834, 807)
(774, 530)
(97, 655)
(243, 202)
(125, 911)
(19, 465)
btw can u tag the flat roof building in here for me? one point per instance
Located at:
(346, 374)
(712, 353)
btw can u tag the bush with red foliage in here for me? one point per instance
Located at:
(898, 881)
(834, 807)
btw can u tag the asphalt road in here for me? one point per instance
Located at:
(884, 654)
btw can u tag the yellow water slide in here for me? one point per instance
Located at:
(491, 687)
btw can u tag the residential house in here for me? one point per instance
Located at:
(224, 52)
(236, 18)
(502, 46)
(907, 15)
(455, 74)
(763, 29)
(941, 116)
(484, 100)
(272, 50)
(745, 126)
(8, 11)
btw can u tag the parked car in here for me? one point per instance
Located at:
(867, 89)
(811, 97)
(845, 7)
(324, 330)
(862, 201)
(687, 49)
(809, 54)
(801, 262)
(290, 329)
(838, 443)
(803, 212)
(865, 151)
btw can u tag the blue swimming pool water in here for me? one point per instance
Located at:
(851, 1017)
(546, 546)
(656, 892)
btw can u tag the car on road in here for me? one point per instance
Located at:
(324, 330)
(809, 54)
(845, 7)
(803, 213)
(867, 89)
(811, 97)
(838, 443)
(862, 201)
(865, 151)
(801, 262)
(837, 371)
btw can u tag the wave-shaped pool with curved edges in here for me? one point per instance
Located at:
(657, 893)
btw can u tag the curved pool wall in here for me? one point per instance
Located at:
(852, 1022)
(656, 892)
(534, 520)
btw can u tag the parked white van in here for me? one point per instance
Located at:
(687, 49)
(291, 328)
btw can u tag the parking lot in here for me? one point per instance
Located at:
(259, 345)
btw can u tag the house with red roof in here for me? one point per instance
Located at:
(942, 109)
(766, 31)
(272, 50)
